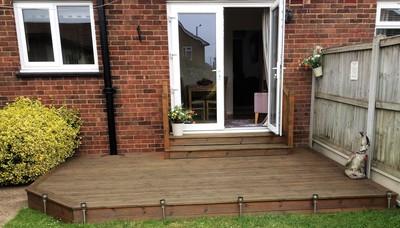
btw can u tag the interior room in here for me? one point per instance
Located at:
(244, 65)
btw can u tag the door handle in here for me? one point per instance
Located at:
(173, 90)
(218, 75)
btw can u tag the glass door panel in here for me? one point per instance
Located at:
(196, 49)
(197, 39)
(276, 71)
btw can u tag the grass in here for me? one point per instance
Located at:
(387, 218)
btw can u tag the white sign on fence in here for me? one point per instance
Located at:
(354, 71)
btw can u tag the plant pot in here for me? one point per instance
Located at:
(317, 71)
(177, 129)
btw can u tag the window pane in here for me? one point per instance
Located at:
(198, 75)
(388, 32)
(38, 35)
(187, 52)
(75, 33)
(390, 14)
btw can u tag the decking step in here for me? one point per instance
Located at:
(212, 151)
(227, 139)
(224, 135)
(226, 145)
(180, 148)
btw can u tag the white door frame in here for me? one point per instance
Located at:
(175, 7)
(278, 71)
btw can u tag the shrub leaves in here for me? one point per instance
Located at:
(35, 138)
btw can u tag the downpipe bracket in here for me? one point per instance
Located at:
(109, 90)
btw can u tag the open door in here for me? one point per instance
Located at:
(196, 60)
(275, 69)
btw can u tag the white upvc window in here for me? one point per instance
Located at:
(56, 36)
(187, 52)
(388, 18)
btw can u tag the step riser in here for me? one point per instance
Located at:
(227, 141)
(221, 154)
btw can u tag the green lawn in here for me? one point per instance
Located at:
(387, 218)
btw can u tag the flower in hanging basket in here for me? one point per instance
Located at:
(312, 61)
(181, 115)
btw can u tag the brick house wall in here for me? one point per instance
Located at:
(327, 23)
(139, 68)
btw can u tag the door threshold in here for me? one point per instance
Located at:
(231, 130)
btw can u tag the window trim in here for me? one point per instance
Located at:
(57, 65)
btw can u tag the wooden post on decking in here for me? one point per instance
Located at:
(373, 85)
(288, 115)
(165, 105)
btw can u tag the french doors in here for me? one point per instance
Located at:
(196, 49)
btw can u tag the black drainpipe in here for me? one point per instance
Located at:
(108, 90)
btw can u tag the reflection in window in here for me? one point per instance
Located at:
(75, 33)
(38, 35)
(197, 64)
(388, 32)
(390, 15)
(187, 52)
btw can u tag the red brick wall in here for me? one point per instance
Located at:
(320, 22)
(139, 68)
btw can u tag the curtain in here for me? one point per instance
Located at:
(265, 34)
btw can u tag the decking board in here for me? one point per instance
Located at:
(131, 186)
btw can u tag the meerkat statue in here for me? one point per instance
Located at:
(356, 165)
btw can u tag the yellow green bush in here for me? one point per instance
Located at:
(35, 138)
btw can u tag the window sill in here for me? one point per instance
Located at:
(57, 74)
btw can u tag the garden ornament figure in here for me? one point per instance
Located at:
(356, 165)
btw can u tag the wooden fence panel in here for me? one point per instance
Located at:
(387, 127)
(339, 123)
(389, 77)
(336, 79)
(387, 141)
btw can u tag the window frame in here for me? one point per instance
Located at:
(57, 65)
(188, 52)
(386, 24)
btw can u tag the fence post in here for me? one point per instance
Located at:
(312, 105)
(373, 87)
(165, 105)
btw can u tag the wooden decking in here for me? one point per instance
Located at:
(131, 187)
